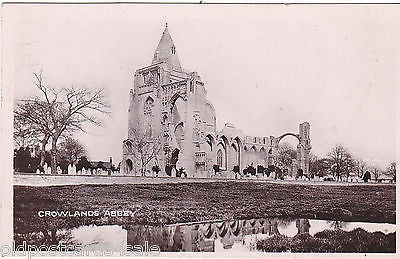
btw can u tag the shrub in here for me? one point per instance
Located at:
(357, 240)
(367, 176)
(168, 170)
(216, 168)
(269, 170)
(299, 172)
(250, 170)
(278, 173)
(83, 163)
(155, 168)
(260, 169)
(181, 172)
(100, 165)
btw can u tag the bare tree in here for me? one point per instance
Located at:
(350, 167)
(143, 145)
(391, 170)
(24, 134)
(29, 126)
(360, 167)
(319, 166)
(58, 111)
(340, 161)
(285, 155)
(376, 172)
(314, 165)
(71, 150)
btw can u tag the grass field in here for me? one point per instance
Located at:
(185, 202)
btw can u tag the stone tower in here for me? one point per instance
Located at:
(171, 103)
(305, 147)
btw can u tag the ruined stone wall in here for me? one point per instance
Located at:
(173, 103)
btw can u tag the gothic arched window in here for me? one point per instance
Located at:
(219, 158)
(149, 131)
(148, 107)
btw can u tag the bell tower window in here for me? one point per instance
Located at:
(173, 50)
(148, 107)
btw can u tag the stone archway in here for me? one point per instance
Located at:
(210, 142)
(235, 154)
(179, 135)
(246, 155)
(289, 157)
(289, 134)
(211, 156)
(223, 147)
(174, 157)
(253, 156)
(129, 165)
(238, 152)
(303, 147)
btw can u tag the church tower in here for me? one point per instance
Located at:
(168, 103)
(168, 107)
(166, 51)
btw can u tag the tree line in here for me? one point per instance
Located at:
(27, 159)
(339, 163)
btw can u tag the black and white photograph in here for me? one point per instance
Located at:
(223, 130)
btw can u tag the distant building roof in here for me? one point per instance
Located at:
(106, 165)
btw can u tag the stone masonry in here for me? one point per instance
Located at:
(171, 103)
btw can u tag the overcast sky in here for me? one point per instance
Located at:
(266, 68)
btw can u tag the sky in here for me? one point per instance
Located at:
(266, 68)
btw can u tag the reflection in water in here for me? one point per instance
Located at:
(202, 237)
(106, 238)
(337, 224)
(303, 226)
(237, 235)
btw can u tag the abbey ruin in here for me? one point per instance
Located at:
(169, 102)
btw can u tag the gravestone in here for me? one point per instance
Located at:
(272, 175)
(45, 166)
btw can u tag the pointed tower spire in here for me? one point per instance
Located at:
(166, 51)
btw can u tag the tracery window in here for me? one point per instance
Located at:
(219, 158)
(148, 107)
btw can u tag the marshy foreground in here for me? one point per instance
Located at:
(205, 216)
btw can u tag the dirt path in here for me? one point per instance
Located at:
(56, 180)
